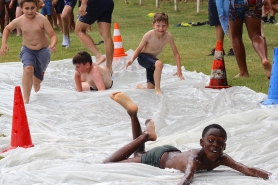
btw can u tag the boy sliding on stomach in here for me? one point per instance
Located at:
(35, 52)
(210, 156)
(89, 76)
(150, 47)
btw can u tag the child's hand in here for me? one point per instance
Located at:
(52, 48)
(4, 49)
(179, 75)
(82, 10)
(267, 6)
(129, 62)
(11, 4)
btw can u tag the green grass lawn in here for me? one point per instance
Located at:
(193, 43)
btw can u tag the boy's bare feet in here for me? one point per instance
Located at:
(124, 101)
(242, 75)
(140, 86)
(150, 130)
(100, 60)
(26, 100)
(158, 92)
(267, 68)
(37, 86)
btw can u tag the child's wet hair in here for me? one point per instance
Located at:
(206, 129)
(29, 1)
(82, 57)
(161, 16)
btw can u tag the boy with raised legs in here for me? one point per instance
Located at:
(208, 157)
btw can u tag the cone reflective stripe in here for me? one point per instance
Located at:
(218, 79)
(118, 44)
(20, 135)
(273, 84)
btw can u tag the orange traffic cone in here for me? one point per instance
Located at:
(118, 44)
(218, 79)
(20, 136)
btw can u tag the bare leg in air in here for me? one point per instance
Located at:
(137, 146)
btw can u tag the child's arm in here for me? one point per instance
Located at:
(142, 44)
(51, 33)
(77, 80)
(254, 172)
(189, 172)
(4, 48)
(177, 57)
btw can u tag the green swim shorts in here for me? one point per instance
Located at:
(153, 156)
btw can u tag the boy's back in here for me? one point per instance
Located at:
(92, 76)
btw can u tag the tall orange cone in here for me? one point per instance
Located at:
(20, 136)
(218, 79)
(118, 44)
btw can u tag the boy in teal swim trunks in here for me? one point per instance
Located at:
(210, 156)
(150, 47)
(35, 52)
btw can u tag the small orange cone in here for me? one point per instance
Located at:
(118, 44)
(218, 79)
(20, 136)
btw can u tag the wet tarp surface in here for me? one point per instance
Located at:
(73, 132)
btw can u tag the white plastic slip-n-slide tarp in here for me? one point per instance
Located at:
(73, 132)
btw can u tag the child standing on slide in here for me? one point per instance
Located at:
(150, 47)
(35, 52)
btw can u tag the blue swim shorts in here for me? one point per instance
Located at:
(148, 62)
(47, 9)
(241, 8)
(39, 59)
(98, 10)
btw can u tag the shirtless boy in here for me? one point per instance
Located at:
(88, 75)
(210, 156)
(35, 52)
(150, 47)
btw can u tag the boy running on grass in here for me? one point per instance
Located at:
(35, 52)
(90, 76)
(151, 46)
(208, 157)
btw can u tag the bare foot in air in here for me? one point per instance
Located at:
(267, 68)
(100, 60)
(150, 130)
(37, 86)
(124, 101)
